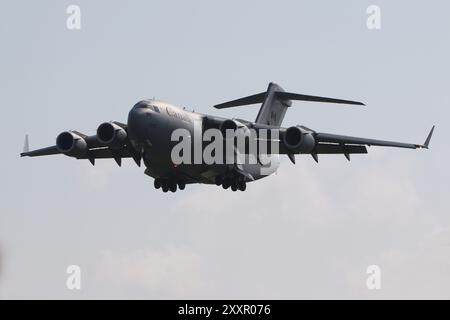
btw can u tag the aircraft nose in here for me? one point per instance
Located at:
(135, 118)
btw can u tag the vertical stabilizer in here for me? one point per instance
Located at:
(273, 108)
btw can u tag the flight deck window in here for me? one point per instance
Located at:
(156, 109)
(141, 104)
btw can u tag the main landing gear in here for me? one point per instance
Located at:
(168, 185)
(233, 182)
(229, 182)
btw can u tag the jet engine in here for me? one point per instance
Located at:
(298, 140)
(71, 144)
(228, 125)
(111, 135)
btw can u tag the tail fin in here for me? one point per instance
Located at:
(275, 102)
(274, 107)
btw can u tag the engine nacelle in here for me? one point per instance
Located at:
(237, 127)
(298, 140)
(71, 144)
(210, 122)
(111, 135)
(227, 125)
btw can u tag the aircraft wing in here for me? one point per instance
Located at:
(91, 154)
(328, 143)
(95, 150)
(39, 152)
(348, 140)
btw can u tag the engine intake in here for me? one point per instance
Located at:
(111, 135)
(71, 144)
(228, 125)
(298, 140)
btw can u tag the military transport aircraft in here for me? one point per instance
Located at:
(147, 136)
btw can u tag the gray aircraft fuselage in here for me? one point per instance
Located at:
(150, 127)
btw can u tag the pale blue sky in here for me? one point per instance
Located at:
(308, 232)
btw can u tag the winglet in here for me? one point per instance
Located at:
(427, 141)
(26, 146)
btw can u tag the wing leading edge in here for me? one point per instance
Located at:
(348, 140)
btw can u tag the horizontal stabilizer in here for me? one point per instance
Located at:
(281, 95)
(256, 98)
(304, 97)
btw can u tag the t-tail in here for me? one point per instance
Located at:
(275, 102)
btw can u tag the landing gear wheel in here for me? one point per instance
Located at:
(226, 184)
(219, 180)
(173, 187)
(242, 185)
(165, 187)
(234, 186)
(157, 183)
(181, 185)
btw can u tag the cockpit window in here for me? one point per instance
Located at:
(145, 104)
(141, 104)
